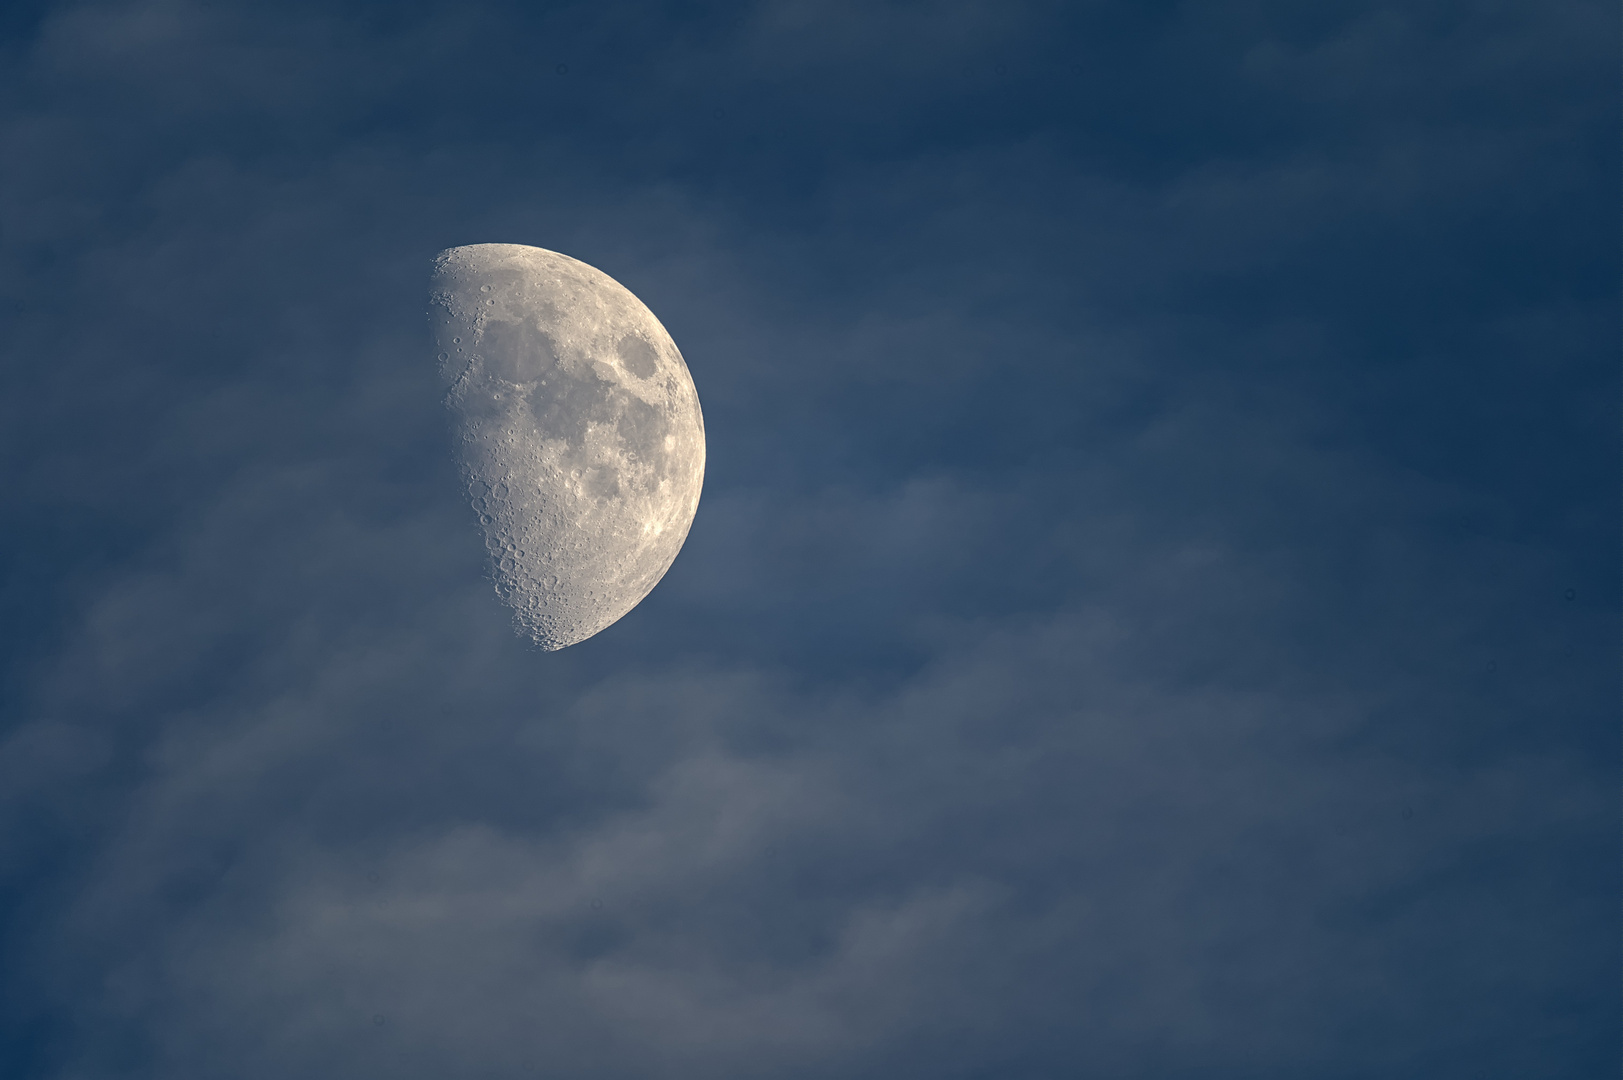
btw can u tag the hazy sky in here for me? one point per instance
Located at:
(1153, 611)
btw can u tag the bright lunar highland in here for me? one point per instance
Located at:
(577, 428)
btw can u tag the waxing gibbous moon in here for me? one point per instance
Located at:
(577, 429)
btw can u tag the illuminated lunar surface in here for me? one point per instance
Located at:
(577, 428)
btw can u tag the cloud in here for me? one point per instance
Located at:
(1031, 840)
(1113, 636)
(792, 36)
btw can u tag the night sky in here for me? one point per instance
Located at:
(1153, 612)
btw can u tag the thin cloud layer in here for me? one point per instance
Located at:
(1151, 612)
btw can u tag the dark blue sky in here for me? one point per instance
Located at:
(1153, 610)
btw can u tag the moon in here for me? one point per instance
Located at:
(577, 429)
